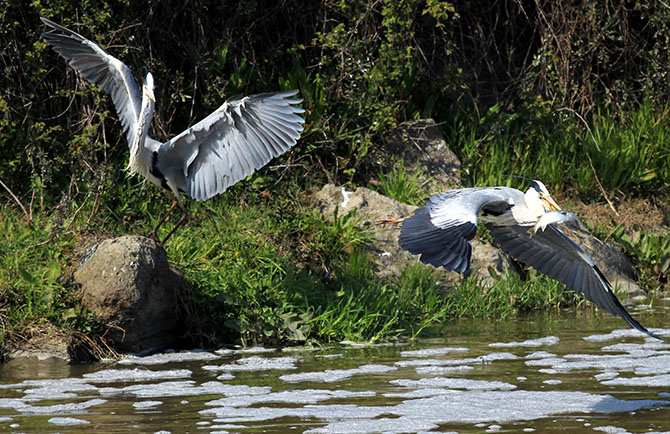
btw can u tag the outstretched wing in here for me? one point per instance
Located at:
(442, 230)
(554, 254)
(98, 67)
(240, 137)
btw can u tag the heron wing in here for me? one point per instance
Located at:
(441, 232)
(99, 68)
(554, 254)
(240, 137)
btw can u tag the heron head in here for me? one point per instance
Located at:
(148, 86)
(543, 194)
(539, 190)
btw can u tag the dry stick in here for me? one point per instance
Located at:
(17, 200)
(67, 228)
(589, 157)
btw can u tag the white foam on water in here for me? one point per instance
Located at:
(169, 357)
(420, 393)
(627, 333)
(146, 404)
(493, 428)
(183, 388)
(441, 370)
(60, 388)
(626, 347)
(607, 375)
(641, 364)
(225, 376)
(257, 363)
(333, 375)
(540, 355)
(301, 396)
(5, 419)
(486, 358)
(611, 430)
(552, 381)
(67, 421)
(646, 381)
(454, 407)
(398, 425)
(454, 383)
(62, 408)
(540, 342)
(323, 412)
(137, 374)
(255, 350)
(507, 406)
(432, 352)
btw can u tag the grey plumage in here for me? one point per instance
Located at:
(238, 138)
(441, 233)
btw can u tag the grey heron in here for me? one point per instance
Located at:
(441, 232)
(239, 137)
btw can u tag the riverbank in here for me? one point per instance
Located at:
(585, 111)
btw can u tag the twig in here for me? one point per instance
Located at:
(77, 211)
(16, 199)
(600, 185)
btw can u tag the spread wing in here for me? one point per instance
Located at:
(441, 232)
(554, 254)
(98, 67)
(240, 137)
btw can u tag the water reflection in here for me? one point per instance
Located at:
(523, 375)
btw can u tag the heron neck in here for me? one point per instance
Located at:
(140, 156)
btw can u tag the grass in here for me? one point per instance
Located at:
(629, 155)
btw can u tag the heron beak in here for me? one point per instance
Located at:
(550, 203)
(149, 92)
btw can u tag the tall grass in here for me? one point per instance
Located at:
(629, 155)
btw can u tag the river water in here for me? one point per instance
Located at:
(576, 372)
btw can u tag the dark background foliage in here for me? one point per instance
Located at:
(362, 67)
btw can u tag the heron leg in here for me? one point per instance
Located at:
(154, 233)
(181, 221)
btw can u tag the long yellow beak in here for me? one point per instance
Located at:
(549, 203)
(150, 93)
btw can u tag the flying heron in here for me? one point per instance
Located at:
(239, 137)
(441, 232)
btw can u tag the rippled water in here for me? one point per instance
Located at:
(538, 374)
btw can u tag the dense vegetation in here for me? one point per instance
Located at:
(573, 94)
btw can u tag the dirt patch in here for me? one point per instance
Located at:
(649, 214)
(46, 341)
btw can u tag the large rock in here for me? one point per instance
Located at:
(128, 283)
(423, 150)
(610, 260)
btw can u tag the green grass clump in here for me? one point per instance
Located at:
(32, 266)
(403, 186)
(624, 153)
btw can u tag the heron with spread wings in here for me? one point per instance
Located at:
(522, 224)
(238, 138)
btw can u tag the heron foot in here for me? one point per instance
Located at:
(392, 220)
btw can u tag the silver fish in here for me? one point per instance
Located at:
(552, 217)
